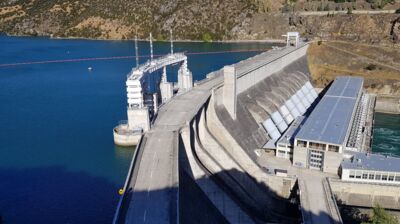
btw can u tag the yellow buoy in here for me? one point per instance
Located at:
(121, 191)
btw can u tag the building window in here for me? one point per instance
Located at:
(391, 177)
(364, 176)
(315, 145)
(378, 176)
(333, 148)
(358, 175)
(301, 143)
(281, 153)
(352, 174)
(397, 178)
(371, 176)
(384, 177)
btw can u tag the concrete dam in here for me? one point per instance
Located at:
(198, 162)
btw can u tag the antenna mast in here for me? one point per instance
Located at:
(172, 42)
(136, 52)
(151, 47)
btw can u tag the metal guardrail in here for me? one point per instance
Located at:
(142, 141)
(157, 63)
(331, 202)
(303, 203)
(122, 128)
(271, 58)
(121, 131)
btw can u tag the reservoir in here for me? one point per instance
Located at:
(58, 162)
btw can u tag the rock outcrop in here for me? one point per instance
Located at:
(395, 31)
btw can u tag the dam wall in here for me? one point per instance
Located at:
(282, 187)
(240, 178)
(366, 194)
(224, 144)
(249, 74)
(216, 151)
(257, 104)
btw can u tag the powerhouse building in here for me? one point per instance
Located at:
(323, 138)
(371, 168)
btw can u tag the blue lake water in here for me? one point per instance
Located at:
(58, 162)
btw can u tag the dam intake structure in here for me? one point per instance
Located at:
(143, 100)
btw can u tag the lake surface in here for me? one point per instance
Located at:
(58, 162)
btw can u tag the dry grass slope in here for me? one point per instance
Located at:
(380, 66)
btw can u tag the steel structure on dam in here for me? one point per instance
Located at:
(197, 163)
(143, 103)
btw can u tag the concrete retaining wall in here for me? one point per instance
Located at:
(239, 171)
(366, 195)
(251, 76)
(388, 104)
(280, 186)
(257, 103)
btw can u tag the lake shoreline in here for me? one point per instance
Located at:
(277, 41)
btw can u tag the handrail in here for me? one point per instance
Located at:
(303, 203)
(128, 178)
(158, 62)
(124, 130)
(279, 56)
(330, 199)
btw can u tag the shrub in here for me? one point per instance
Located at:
(371, 67)
(206, 37)
(379, 215)
(349, 11)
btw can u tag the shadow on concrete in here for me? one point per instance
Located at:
(196, 208)
(352, 215)
(247, 192)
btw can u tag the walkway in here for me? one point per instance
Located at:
(152, 197)
(324, 13)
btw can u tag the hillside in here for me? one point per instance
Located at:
(119, 19)
(202, 20)
(380, 66)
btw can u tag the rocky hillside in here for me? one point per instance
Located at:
(200, 19)
(120, 19)
(381, 28)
